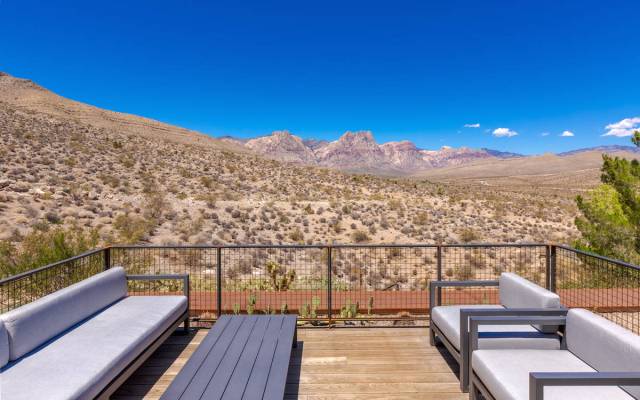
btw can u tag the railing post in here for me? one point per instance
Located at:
(551, 262)
(219, 282)
(107, 258)
(439, 272)
(329, 273)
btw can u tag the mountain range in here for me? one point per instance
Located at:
(359, 152)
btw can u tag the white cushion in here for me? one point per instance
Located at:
(4, 345)
(517, 292)
(82, 362)
(33, 324)
(604, 345)
(447, 318)
(506, 374)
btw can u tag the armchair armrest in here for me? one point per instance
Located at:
(472, 313)
(433, 285)
(538, 380)
(183, 277)
(475, 322)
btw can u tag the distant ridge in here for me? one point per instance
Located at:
(602, 149)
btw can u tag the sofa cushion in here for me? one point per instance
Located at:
(517, 292)
(4, 345)
(82, 361)
(447, 318)
(33, 324)
(604, 345)
(505, 373)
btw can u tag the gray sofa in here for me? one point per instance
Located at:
(518, 296)
(83, 341)
(601, 361)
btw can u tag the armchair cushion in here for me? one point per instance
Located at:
(603, 344)
(447, 318)
(33, 324)
(517, 292)
(82, 361)
(505, 373)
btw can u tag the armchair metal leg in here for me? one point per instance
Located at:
(474, 393)
(432, 337)
(186, 326)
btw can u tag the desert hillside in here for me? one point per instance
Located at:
(135, 180)
(572, 172)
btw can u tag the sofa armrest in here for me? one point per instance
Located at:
(183, 277)
(538, 380)
(433, 285)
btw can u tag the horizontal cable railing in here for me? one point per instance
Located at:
(347, 284)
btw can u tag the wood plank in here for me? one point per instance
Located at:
(242, 371)
(260, 372)
(214, 357)
(280, 366)
(219, 379)
(339, 364)
(180, 384)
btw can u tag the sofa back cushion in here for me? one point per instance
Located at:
(517, 292)
(604, 345)
(35, 323)
(4, 345)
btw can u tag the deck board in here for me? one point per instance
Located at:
(349, 364)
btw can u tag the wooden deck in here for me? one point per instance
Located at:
(358, 363)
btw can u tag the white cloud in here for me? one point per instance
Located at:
(476, 125)
(545, 134)
(504, 132)
(623, 128)
(567, 134)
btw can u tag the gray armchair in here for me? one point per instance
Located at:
(598, 360)
(518, 296)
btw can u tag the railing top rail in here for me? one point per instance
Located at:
(52, 265)
(599, 257)
(323, 246)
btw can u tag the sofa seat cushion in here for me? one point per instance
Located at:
(447, 318)
(83, 360)
(506, 374)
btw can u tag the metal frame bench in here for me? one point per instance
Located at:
(242, 357)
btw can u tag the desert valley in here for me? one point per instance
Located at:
(136, 180)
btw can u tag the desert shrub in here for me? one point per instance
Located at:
(469, 235)
(39, 248)
(130, 229)
(360, 236)
(296, 235)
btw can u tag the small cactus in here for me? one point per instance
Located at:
(251, 304)
(236, 308)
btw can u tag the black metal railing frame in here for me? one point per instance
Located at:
(579, 264)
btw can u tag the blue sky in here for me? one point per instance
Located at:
(404, 70)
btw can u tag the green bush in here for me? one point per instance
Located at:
(39, 248)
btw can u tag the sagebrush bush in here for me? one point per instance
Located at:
(39, 248)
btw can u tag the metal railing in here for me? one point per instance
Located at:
(347, 284)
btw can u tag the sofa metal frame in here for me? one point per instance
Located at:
(538, 380)
(463, 356)
(106, 393)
